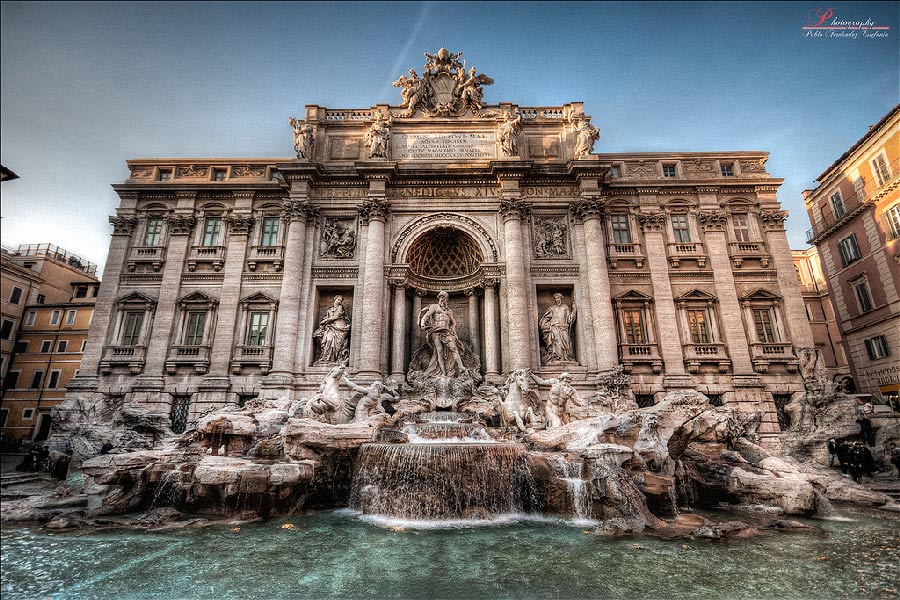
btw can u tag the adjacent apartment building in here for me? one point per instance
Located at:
(48, 299)
(855, 212)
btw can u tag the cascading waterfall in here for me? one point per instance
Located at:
(448, 470)
(168, 490)
(573, 474)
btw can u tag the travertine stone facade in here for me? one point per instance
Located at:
(672, 261)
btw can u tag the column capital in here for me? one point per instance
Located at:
(239, 224)
(512, 208)
(397, 283)
(373, 209)
(655, 221)
(419, 293)
(713, 220)
(588, 207)
(123, 225)
(297, 210)
(181, 224)
(490, 282)
(473, 291)
(773, 220)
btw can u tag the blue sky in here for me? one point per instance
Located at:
(86, 86)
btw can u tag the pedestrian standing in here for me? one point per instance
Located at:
(832, 452)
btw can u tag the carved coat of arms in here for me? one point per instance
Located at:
(445, 89)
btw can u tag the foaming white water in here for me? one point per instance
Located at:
(501, 520)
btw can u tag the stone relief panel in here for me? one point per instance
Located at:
(642, 169)
(551, 237)
(331, 338)
(556, 321)
(343, 148)
(338, 238)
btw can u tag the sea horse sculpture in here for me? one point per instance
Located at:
(515, 410)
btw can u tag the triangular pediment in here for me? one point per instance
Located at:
(634, 295)
(696, 295)
(136, 298)
(197, 298)
(761, 294)
(259, 298)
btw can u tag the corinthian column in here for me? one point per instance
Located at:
(294, 214)
(513, 211)
(491, 355)
(373, 214)
(788, 283)
(398, 337)
(590, 211)
(474, 322)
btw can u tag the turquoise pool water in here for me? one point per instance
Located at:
(339, 555)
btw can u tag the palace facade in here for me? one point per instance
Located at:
(230, 279)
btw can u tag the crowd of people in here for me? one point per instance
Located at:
(856, 460)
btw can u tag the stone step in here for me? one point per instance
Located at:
(6, 480)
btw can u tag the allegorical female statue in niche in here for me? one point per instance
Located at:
(334, 334)
(556, 326)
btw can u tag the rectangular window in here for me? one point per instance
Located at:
(62, 346)
(53, 381)
(83, 345)
(27, 414)
(634, 327)
(41, 299)
(765, 328)
(165, 174)
(81, 291)
(131, 328)
(54, 317)
(699, 327)
(45, 346)
(259, 323)
(615, 172)
(211, 231)
(727, 169)
(153, 233)
(892, 221)
(70, 317)
(837, 204)
(863, 296)
(741, 227)
(219, 174)
(193, 334)
(21, 347)
(877, 347)
(881, 170)
(680, 228)
(12, 380)
(36, 379)
(848, 250)
(30, 316)
(669, 170)
(15, 297)
(270, 231)
(620, 229)
(6, 329)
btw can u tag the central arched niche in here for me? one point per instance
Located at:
(444, 252)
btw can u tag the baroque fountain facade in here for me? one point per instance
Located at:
(446, 309)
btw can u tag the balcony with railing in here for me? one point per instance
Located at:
(266, 254)
(640, 354)
(765, 353)
(713, 353)
(154, 256)
(681, 251)
(630, 253)
(246, 355)
(863, 195)
(212, 255)
(741, 251)
(194, 356)
(132, 357)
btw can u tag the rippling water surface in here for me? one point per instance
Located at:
(339, 555)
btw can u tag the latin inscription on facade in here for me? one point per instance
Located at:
(440, 146)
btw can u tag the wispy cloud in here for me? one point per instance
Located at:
(402, 56)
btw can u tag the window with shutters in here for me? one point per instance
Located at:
(863, 296)
(848, 249)
(698, 322)
(270, 231)
(881, 169)
(258, 329)
(837, 204)
(193, 335)
(131, 328)
(211, 231)
(741, 225)
(621, 229)
(877, 347)
(680, 228)
(765, 325)
(153, 231)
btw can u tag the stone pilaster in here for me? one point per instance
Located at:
(294, 214)
(239, 224)
(788, 283)
(665, 316)
(491, 331)
(399, 334)
(513, 211)
(474, 321)
(589, 210)
(123, 228)
(373, 214)
(415, 337)
(181, 226)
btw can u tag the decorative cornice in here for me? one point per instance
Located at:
(373, 209)
(512, 208)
